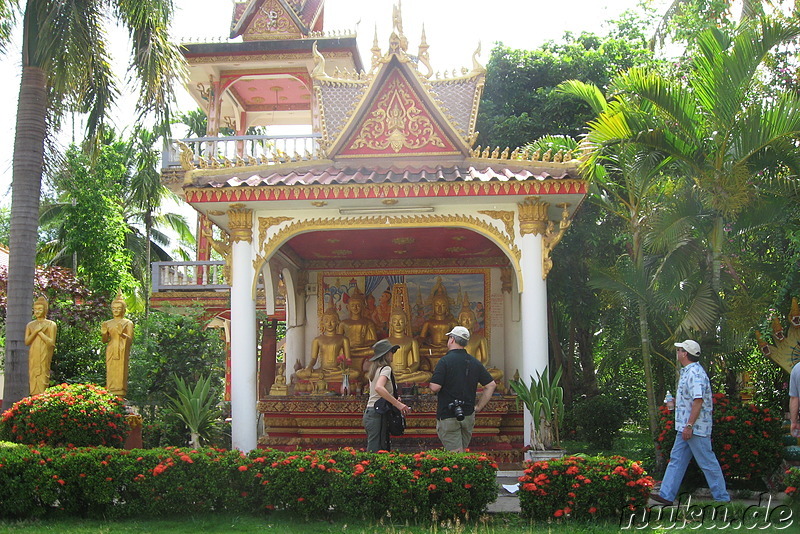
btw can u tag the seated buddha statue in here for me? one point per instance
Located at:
(358, 329)
(406, 360)
(477, 345)
(327, 347)
(434, 330)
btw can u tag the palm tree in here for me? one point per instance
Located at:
(631, 183)
(717, 125)
(66, 68)
(146, 194)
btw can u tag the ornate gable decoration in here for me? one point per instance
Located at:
(395, 110)
(263, 20)
(397, 123)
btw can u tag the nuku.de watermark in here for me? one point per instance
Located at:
(717, 516)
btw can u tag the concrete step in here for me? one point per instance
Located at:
(506, 501)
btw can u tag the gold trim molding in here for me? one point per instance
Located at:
(506, 217)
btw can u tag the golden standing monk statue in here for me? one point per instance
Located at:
(477, 345)
(118, 334)
(406, 360)
(40, 335)
(328, 347)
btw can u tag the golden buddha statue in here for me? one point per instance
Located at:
(477, 345)
(406, 360)
(434, 330)
(328, 347)
(40, 335)
(358, 329)
(117, 333)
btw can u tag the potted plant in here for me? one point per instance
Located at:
(544, 399)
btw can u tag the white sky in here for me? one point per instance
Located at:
(453, 29)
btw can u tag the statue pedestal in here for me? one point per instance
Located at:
(134, 438)
(333, 422)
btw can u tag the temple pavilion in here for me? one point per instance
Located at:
(383, 220)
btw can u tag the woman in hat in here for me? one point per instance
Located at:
(380, 386)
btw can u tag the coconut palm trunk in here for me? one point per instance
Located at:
(27, 179)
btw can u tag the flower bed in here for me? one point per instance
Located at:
(583, 487)
(746, 439)
(104, 482)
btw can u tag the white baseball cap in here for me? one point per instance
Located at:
(459, 331)
(690, 346)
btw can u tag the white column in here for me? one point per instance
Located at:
(244, 394)
(534, 315)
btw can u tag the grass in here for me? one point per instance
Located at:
(278, 522)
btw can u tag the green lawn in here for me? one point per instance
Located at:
(489, 524)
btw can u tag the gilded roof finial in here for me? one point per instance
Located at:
(397, 26)
(376, 51)
(424, 58)
(477, 68)
(319, 63)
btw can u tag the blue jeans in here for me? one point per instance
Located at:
(682, 452)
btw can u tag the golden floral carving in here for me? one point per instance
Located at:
(397, 122)
(506, 217)
(240, 220)
(265, 223)
(552, 237)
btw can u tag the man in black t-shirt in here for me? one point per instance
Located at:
(455, 381)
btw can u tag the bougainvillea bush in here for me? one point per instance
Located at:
(746, 438)
(67, 415)
(106, 482)
(583, 487)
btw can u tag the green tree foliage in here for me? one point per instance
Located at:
(93, 218)
(5, 224)
(520, 103)
(170, 344)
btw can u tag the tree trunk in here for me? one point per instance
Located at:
(27, 179)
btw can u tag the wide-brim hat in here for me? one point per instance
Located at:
(691, 346)
(382, 348)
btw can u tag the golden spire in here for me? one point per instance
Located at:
(424, 58)
(376, 51)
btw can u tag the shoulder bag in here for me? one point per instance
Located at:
(395, 419)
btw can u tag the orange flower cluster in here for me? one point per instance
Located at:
(583, 487)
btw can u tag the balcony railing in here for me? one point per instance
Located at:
(188, 275)
(243, 149)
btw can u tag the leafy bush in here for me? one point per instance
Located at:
(67, 415)
(168, 344)
(746, 438)
(792, 480)
(583, 487)
(104, 482)
(599, 419)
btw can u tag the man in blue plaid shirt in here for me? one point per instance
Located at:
(693, 407)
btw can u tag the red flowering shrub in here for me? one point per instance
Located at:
(103, 482)
(792, 480)
(67, 415)
(746, 438)
(583, 487)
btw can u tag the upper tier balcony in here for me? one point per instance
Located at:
(239, 150)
